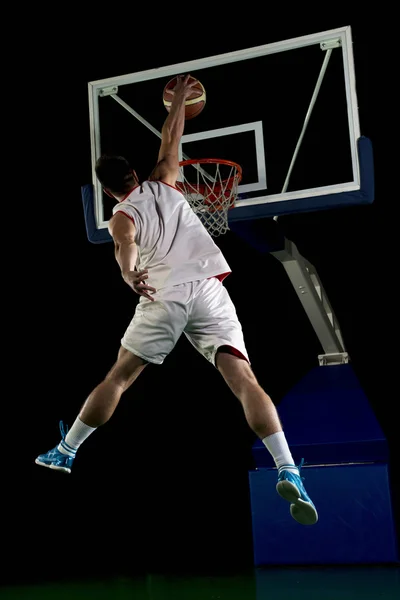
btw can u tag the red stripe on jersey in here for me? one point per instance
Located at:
(169, 185)
(129, 193)
(222, 276)
(233, 351)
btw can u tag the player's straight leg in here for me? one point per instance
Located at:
(259, 410)
(263, 419)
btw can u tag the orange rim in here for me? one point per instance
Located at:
(225, 184)
(229, 163)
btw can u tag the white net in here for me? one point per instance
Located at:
(210, 186)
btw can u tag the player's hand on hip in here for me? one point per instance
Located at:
(136, 280)
(184, 86)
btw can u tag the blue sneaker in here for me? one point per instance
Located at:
(54, 459)
(290, 487)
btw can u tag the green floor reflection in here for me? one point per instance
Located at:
(367, 583)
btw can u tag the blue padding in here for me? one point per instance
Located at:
(326, 583)
(365, 195)
(96, 236)
(327, 418)
(356, 524)
(264, 235)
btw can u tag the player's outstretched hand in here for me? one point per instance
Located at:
(136, 279)
(184, 87)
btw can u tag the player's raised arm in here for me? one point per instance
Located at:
(168, 159)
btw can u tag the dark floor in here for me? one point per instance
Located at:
(375, 583)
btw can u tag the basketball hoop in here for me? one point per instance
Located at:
(210, 186)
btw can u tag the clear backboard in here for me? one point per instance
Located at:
(286, 112)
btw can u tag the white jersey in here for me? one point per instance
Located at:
(172, 242)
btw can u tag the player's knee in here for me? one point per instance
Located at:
(126, 369)
(236, 372)
(243, 383)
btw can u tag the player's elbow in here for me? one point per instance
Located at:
(170, 136)
(166, 133)
(124, 244)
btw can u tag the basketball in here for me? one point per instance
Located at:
(194, 104)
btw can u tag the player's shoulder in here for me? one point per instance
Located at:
(121, 224)
(163, 186)
(121, 206)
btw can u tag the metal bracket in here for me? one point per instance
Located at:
(107, 91)
(314, 300)
(339, 358)
(329, 44)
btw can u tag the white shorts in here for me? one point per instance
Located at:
(202, 310)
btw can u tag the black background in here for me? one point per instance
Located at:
(164, 484)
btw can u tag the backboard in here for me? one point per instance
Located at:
(286, 112)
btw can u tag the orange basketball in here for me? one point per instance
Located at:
(194, 104)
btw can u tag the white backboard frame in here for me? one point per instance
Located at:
(342, 35)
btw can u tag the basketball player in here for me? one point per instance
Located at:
(169, 259)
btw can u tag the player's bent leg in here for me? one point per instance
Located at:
(104, 399)
(262, 417)
(96, 411)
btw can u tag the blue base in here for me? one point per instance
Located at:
(355, 518)
(327, 583)
(327, 418)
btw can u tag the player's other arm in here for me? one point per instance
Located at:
(123, 232)
(167, 167)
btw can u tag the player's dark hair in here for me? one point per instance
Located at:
(115, 173)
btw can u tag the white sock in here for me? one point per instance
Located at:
(279, 450)
(74, 438)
